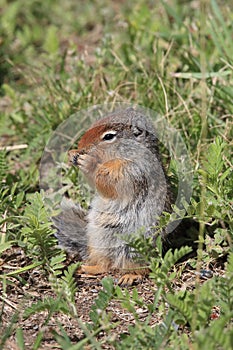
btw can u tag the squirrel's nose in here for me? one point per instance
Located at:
(73, 156)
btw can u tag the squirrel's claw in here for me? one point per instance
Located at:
(129, 278)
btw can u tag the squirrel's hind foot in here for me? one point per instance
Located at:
(128, 279)
(92, 269)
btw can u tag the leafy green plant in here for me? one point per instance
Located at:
(98, 314)
(218, 198)
(37, 234)
(64, 286)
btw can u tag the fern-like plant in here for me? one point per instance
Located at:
(38, 236)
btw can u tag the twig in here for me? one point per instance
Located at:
(8, 302)
(13, 148)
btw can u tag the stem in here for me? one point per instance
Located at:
(204, 129)
(204, 9)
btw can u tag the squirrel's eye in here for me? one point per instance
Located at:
(109, 136)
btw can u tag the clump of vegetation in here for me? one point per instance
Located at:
(58, 58)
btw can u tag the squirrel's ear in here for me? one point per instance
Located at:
(139, 133)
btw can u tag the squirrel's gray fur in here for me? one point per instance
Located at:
(142, 197)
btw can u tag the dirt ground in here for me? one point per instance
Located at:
(32, 286)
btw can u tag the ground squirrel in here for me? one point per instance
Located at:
(120, 158)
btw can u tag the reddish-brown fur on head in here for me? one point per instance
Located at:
(92, 137)
(89, 139)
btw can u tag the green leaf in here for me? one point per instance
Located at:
(51, 43)
(20, 339)
(6, 245)
(200, 75)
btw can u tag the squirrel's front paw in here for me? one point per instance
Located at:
(86, 162)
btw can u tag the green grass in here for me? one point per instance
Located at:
(175, 57)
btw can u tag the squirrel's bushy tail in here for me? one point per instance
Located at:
(71, 228)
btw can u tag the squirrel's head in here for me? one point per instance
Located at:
(116, 133)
